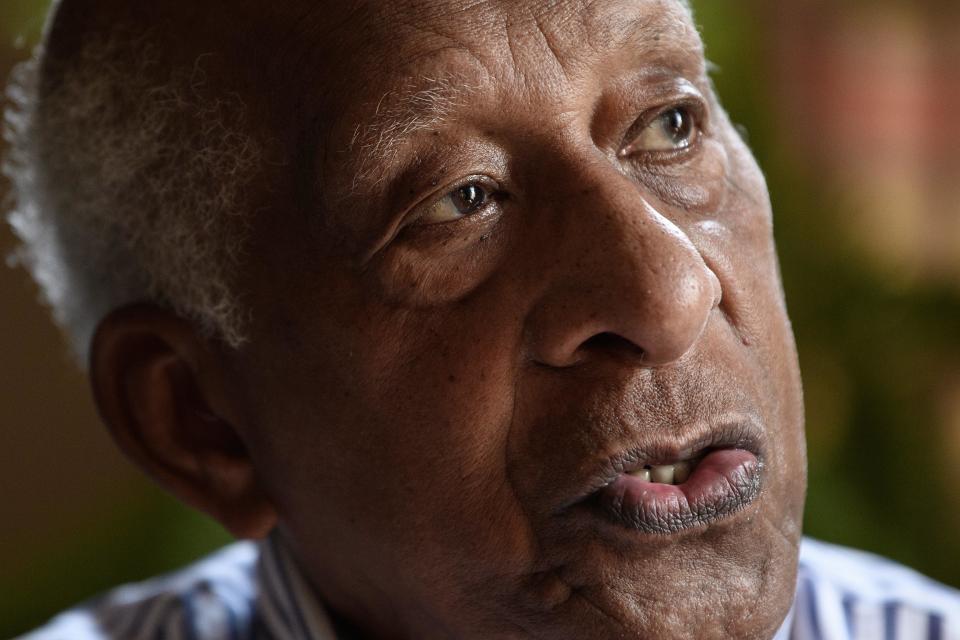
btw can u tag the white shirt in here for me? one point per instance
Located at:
(251, 591)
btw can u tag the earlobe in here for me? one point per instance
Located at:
(161, 391)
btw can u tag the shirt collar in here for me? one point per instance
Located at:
(786, 629)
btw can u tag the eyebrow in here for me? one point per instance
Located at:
(421, 104)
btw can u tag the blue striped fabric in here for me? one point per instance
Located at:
(844, 594)
(254, 592)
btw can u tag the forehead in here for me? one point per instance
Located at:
(394, 23)
(371, 68)
(504, 38)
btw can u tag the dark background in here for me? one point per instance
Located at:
(852, 109)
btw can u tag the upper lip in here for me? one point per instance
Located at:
(739, 432)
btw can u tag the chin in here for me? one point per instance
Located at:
(731, 580)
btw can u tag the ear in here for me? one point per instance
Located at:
(162, 391)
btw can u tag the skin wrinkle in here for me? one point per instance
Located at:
(601, 610)
(550, 45)
(391, 133)
(391, 130)
(425, 104)
(422, 426)
(672, 391)
(388, 131)
(450, 42)
(572, 591)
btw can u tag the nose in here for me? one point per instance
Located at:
(625, 279)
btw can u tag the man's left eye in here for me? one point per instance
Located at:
(463, 201)
(672, 130)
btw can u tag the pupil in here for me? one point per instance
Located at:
(677, 125)
(470, 198)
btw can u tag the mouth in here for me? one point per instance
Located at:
(664, 489)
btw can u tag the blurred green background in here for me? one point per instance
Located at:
(850, 107)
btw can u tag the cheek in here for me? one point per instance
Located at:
(441, 266)
(400, 457)
(737, 243)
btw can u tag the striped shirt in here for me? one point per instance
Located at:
(254, 592)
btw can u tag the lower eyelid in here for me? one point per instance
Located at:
(482, 217)
(667, 156)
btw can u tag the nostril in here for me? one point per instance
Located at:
(609, 341)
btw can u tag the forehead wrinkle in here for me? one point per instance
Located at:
(661, 29)
(422, 103)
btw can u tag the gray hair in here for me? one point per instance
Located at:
(128, 185)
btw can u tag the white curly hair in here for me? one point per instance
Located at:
(127, 184)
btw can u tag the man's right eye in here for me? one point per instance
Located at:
(465, 200)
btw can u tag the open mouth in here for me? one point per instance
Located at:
(673, 473)
(676, 491)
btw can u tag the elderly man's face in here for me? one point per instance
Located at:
(521, 256)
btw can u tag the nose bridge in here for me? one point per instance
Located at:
(629, 272)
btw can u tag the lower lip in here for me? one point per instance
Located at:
(724, 482)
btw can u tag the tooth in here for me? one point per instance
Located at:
(681, 471)
(642, 474)
(662, 474)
